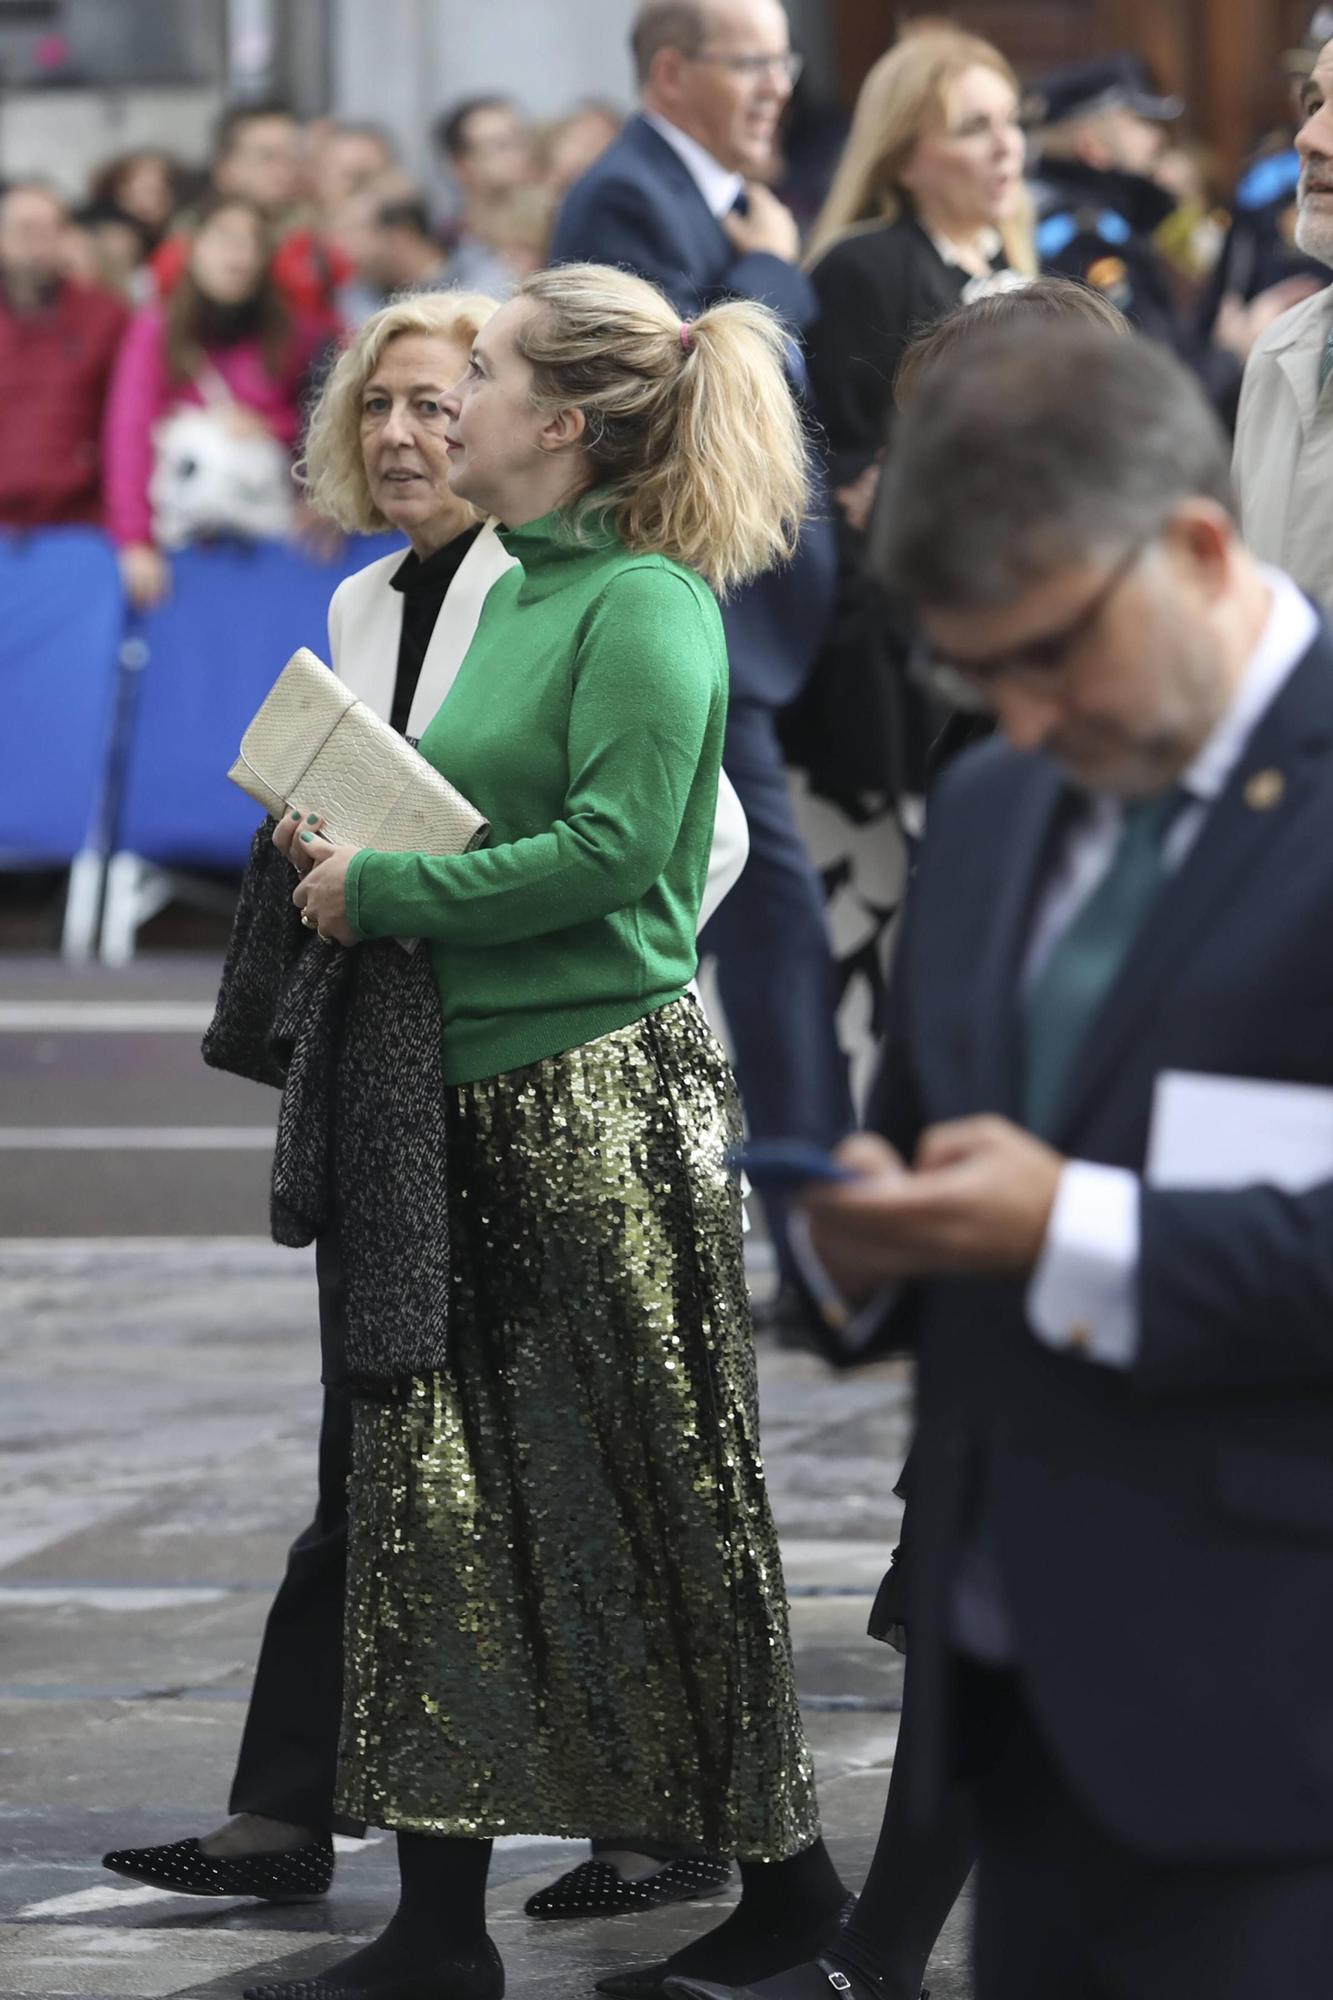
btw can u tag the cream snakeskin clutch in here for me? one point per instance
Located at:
(313, 747)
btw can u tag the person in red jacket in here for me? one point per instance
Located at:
(58, 342)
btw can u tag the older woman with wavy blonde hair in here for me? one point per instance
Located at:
(375, 459)
(398, 631)
(565, 1609)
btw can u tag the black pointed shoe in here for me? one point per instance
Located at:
(466, 1975)
(296, 1875)
(650, 1982)
(596, 1889)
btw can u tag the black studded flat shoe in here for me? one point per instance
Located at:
(596, 1889)
(467, 1975)
(296, 1875)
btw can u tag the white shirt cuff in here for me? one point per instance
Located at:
(1082, 1295)
(853, 1326)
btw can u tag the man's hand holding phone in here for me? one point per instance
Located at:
(977, 1198)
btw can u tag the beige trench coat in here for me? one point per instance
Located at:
(1283, 463)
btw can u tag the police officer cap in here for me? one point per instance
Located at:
(1109, 83)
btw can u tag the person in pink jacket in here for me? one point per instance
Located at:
(223, 340)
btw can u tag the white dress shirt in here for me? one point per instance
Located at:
(980, 284)
(1083, 1292)
(716, 183)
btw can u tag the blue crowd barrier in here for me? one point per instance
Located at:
(116, 731)
(212, 651)
(61, 618)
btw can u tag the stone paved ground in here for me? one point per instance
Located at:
(157, 1404)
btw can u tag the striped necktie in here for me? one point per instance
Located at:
(1083, 964)
(1326, 360)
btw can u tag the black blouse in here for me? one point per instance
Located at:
(877, 289)
(423, 585)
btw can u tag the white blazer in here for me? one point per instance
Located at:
(1283, 465)
(366, 622)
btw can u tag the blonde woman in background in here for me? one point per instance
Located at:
(565, 1603)
(928, 203)
(928, 208)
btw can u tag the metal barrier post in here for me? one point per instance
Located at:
(87, 893)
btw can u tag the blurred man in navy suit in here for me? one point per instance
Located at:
(679, 199)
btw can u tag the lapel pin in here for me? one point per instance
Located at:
(1264, 791)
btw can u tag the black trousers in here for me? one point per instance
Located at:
(289, 1749)
(1064, 1911)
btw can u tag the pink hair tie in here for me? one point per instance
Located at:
(685, 336)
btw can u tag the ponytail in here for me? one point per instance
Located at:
(694, 435)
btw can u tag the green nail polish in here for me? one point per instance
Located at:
(296, 815)
(312, 819)
(307, 836)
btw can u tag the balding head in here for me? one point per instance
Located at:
(1054, 442)
(667, 24)
(1060, 511)
(1314, 142)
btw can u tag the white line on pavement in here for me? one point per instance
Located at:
(43, 1248)
(135, 1138)
(98, 1597)
(104, 1017)
(83, 1902)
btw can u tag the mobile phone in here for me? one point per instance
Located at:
(782, 1165)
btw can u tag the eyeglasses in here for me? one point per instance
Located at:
(789, 65)
(1035, 665)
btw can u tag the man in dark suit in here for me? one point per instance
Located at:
(678, 199)
(1121, 1576)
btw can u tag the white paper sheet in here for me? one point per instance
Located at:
(1232, 1131)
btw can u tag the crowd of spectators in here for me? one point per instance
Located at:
(221, 290)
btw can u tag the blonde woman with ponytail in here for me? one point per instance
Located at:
(566, 1612)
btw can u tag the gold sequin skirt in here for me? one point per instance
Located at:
(566, 1612)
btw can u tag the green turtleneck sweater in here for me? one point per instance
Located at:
(586, 724)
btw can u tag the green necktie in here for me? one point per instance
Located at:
(1326, 360)
(1083, 964)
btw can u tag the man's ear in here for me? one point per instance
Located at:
(563, 430)
(665, 78)
(1203, 535)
